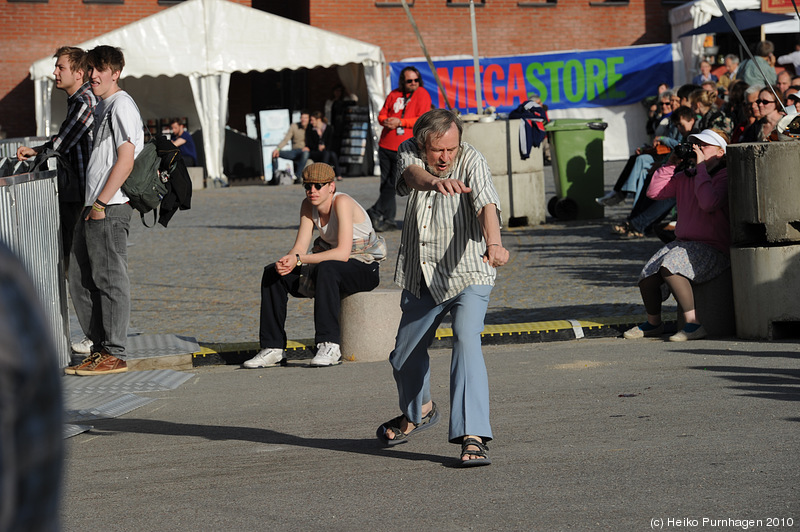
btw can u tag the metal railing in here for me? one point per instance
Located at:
(8, 147)
(30, 226)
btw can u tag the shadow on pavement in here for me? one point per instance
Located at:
(364, 446)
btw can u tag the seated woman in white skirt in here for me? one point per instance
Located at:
(701, 250)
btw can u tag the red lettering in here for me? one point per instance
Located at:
(471, 96)
(454, 87)
(495, 99)
(516, 85)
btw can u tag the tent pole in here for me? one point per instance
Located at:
(478, 95)
(425, 51)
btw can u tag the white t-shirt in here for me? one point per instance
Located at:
(116, 121)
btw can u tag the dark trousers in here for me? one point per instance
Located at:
(332, 279)
(70, 213)
(625, 174)
(386, 206)
(327, 157)
(647, 212)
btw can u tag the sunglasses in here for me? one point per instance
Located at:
(318, 186)
(764, 102)
(415, 80)
(667, 104)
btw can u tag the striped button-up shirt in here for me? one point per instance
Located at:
(74, 141)
(442, 243)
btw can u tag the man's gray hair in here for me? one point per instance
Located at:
(436, 122)
(753, 89)
(733, 58)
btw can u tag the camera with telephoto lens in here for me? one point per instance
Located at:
(688, 158)
(684, 151)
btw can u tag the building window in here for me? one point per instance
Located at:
(537, 3)
(393, 3)
(169, 2)
(28, 1)
(604, 3)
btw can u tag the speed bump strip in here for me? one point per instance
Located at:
(505, 333)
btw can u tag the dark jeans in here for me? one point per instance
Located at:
(300, 157)
(332, 278)
(625, 174)
(69, 212)
(647, 212)
(98, 278)
(328, 157)
(385, 207)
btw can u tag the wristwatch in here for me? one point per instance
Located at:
(299, 262)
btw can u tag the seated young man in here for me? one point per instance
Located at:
(344, 260)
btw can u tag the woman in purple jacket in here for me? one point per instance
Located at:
(701, 250)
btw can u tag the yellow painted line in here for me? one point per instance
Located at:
(445, 332)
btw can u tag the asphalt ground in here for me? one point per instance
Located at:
(591, 434)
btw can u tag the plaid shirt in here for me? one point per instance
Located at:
(442, 243)
(74, 141)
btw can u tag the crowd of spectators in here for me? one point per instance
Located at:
(745, 102)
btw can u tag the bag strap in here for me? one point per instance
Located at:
(155, 218)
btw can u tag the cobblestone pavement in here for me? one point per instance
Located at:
(200, 277)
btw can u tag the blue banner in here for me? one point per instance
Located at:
(596, 78)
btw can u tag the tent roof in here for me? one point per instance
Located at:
(203, 37)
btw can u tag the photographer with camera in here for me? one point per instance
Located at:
(702, 246)
(647, 212)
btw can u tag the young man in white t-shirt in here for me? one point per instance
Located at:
(99, 281)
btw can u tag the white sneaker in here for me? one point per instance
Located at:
(83, 347)
(266, 358)
(328, 354)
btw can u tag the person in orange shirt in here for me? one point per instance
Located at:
(400, 111)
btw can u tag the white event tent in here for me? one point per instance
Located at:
(203, 42)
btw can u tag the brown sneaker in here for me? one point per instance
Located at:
(105, 365)
(85, 363)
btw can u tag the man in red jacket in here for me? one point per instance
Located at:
(403, 106)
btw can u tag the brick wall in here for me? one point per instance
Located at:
(32, 31)
(504, 27)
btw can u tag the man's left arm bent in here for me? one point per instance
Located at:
(496, 255)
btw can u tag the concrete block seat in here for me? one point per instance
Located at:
(369, 322)
(766, 288)
(713, 301)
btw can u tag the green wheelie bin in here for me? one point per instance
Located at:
(576, 148)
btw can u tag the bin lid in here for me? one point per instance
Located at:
(571, 124)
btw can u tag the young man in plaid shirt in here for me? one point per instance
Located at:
(74, 138)
(74, 143)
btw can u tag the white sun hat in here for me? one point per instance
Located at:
(709, 136)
